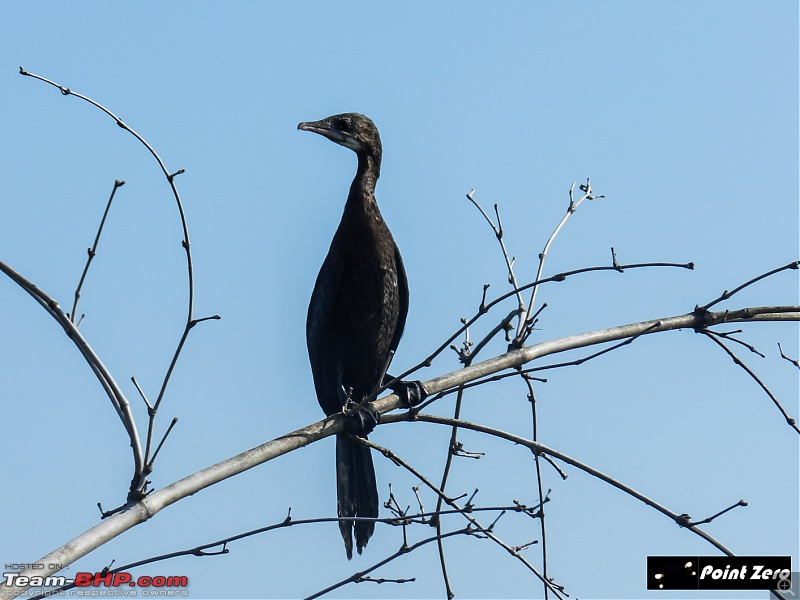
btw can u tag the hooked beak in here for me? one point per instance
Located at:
(324, 129)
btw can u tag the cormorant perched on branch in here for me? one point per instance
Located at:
(355, 320)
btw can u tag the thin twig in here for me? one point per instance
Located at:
(163, 439)
(524, 327)
(794, 361)
(712, 336)
(464, 511)
(726, 294)
(557, 278)
(138, 486)
(681, 519)
(498, 233)
(358, 577)
(539, 486)
(720, 513)
(384, 580)
(93, 250)
(466, 357)
(142, 394)
(728, 335)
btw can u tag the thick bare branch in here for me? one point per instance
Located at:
(109, 385)
(147, 507)
(557, 278)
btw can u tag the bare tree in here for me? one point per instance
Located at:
(511, 316)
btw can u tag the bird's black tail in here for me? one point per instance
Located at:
(356, 491)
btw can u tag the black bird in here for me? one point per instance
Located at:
(355, 320)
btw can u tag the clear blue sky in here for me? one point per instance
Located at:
(684, 114)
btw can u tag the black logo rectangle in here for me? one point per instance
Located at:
(718, 572)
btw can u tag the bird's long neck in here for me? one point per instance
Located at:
(362, 190)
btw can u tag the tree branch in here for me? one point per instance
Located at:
(109, 385)
(147, 507)
(681, 519)
(525, 325)
(557, 278)
(143, 466)
(92, 252)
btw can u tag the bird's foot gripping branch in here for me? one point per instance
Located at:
(411, 393)
(361, 419)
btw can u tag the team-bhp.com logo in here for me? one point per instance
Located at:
(155, 585)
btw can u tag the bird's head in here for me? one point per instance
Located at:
(350, 130)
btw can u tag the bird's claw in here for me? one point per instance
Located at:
(411, 393)
(361, 419)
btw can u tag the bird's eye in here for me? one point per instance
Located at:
(344, 124)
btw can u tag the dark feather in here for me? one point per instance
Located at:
(356, 316)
